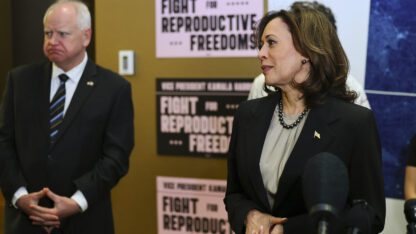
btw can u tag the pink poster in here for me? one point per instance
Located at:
(190, 205)
(206, 28)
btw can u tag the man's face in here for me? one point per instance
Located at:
(64, 42)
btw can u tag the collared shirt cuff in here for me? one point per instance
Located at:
(18, 194)
(79, 198)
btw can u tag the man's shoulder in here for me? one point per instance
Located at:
(29, 69)
(28, 74)
(110, 76)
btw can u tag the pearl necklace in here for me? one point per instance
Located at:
(297, 121)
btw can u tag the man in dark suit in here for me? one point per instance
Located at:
(66, 133)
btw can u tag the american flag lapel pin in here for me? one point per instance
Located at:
(90, 83)
(316, 135)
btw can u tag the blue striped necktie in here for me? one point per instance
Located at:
(56, 109)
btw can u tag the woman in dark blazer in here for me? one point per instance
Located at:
(312, 112)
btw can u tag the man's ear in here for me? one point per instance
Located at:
(86, 37)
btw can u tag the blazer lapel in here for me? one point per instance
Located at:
(314, 138)
(86, 84)
(256, 134)
(43, 84)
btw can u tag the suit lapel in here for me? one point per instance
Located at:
(258, 126)
(42, 103)
(314, 138)
(86, 84)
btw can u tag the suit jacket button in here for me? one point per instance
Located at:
(49, 157)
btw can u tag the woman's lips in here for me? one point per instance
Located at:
(266, 68)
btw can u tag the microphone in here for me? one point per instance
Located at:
(356, 218)
(325, 189)
(410, 213)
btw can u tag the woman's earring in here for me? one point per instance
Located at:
(304, 61)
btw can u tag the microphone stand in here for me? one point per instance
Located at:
(323, 226)
(354, 230)
(324, 214)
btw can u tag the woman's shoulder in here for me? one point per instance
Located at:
(349, 110)
(256, 103)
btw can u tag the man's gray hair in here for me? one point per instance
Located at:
(83, 14)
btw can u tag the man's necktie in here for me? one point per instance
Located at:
(56, 109)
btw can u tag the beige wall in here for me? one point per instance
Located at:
(130, 24)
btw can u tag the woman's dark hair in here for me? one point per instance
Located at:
(315, 37)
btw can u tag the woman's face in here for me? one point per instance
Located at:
(280, 62)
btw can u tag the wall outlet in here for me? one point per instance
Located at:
(126, 62)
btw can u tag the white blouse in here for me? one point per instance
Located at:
(277, 148)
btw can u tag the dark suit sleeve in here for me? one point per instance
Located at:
(236, 202)
(11, 175)
(118, 143)
(365, 172)
(411, 155)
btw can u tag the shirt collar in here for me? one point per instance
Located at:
(74, 74)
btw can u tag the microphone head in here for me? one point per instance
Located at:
(410, 210)
(325, 184)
